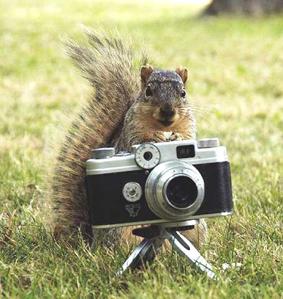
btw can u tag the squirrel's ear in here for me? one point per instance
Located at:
(146, 71)
(183, 73)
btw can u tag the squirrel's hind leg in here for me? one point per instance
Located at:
(108, 237)
(72, 235)
(197, 235)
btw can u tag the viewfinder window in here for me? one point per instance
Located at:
(185, 151)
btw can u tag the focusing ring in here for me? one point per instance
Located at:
(155, 193)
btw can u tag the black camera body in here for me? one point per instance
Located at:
(166, 182)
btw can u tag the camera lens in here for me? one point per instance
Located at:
(174, 190)
(181, 192)
(147, 156)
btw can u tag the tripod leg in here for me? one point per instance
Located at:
(184, 246)
(145, 252)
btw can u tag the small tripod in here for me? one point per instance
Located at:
(154, 236)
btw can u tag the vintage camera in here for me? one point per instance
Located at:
(166, 182)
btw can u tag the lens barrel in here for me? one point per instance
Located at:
(174, 190)
(181, 191)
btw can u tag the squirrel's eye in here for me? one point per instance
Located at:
(183, 93)
(148, 92)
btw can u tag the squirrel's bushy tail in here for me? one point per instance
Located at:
(108, 64)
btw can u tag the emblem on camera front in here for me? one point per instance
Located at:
(133, 209)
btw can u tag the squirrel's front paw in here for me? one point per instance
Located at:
(175, 137)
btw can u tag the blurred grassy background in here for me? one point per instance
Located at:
(236, 70)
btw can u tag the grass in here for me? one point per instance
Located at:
(236, 86)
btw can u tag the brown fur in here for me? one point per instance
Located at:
(105, 62)
(118, 113)
(142, 124)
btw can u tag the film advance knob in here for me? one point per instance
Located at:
(208, 142)
(103, 153)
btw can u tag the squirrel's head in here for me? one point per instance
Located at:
(164, 93)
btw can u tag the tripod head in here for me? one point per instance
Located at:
(153, 230)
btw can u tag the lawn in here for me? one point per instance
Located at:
(235, 84)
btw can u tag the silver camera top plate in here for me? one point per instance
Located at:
(127, 162)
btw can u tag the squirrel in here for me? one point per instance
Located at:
(124, 109)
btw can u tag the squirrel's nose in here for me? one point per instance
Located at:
(167, 112)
